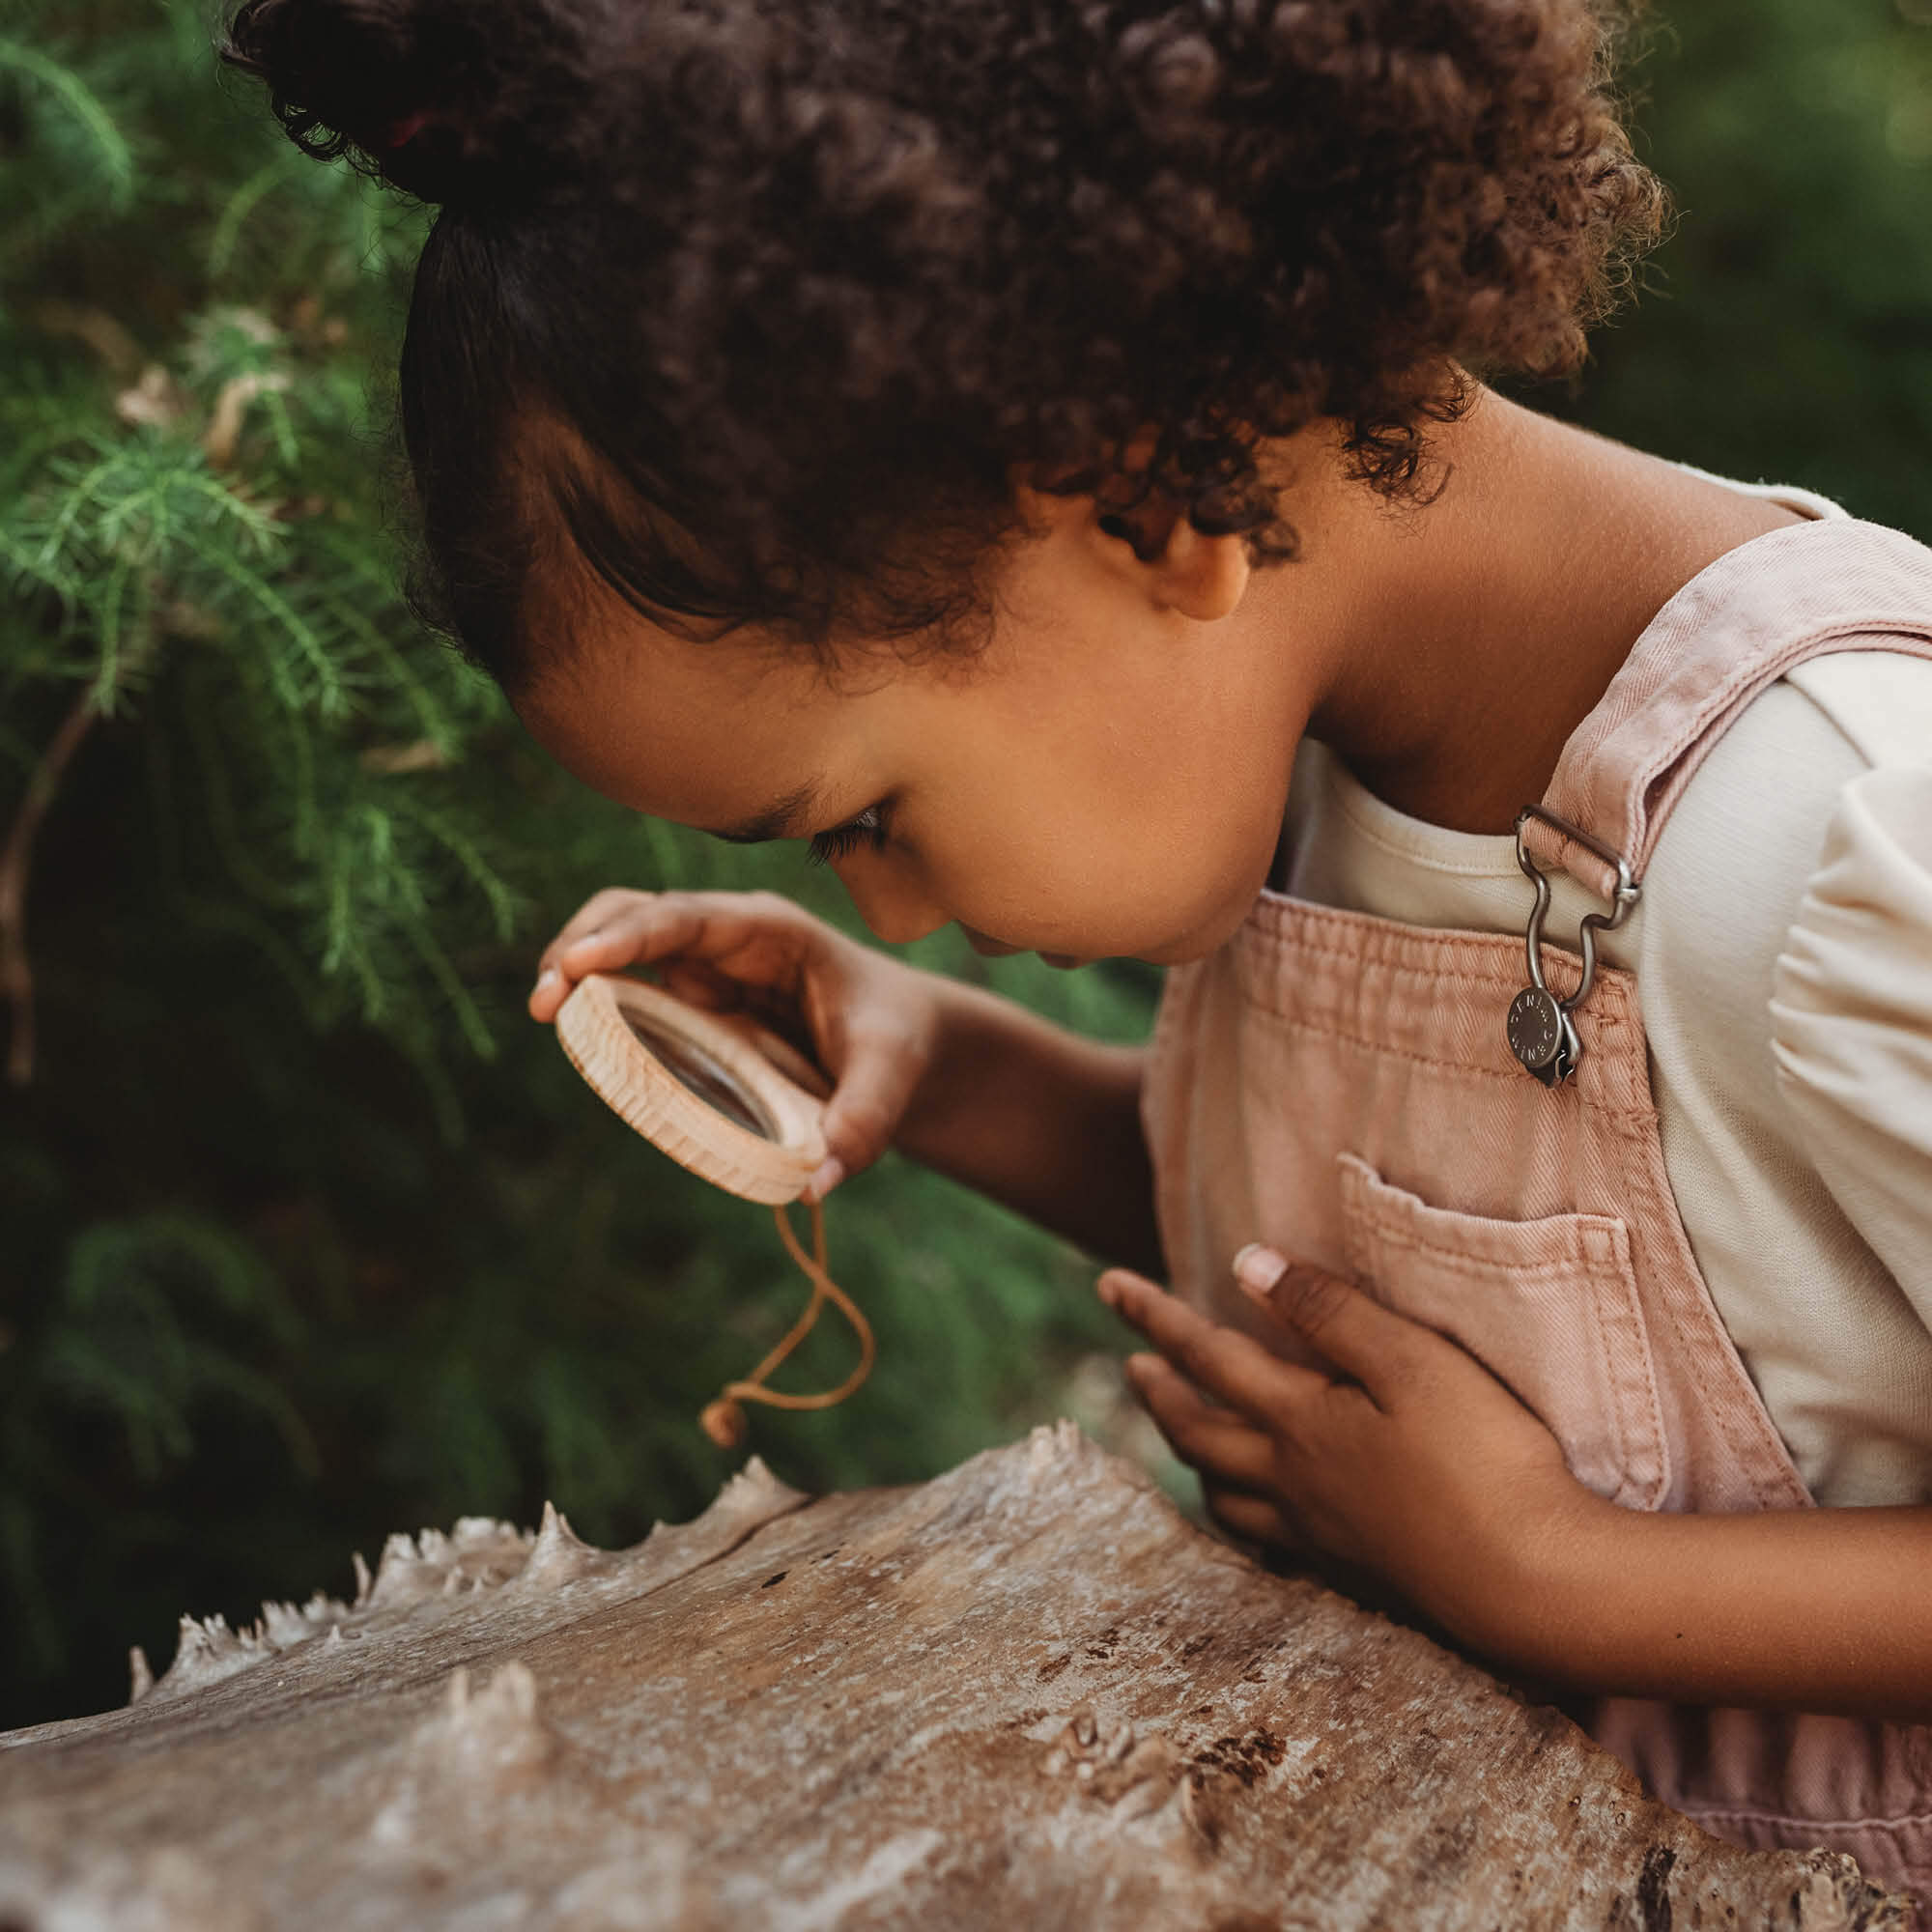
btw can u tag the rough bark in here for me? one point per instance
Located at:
(1027, 1695)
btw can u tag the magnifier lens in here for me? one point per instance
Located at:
(712, 1082)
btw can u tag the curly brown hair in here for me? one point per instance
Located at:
(760, 305)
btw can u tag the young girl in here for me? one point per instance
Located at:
(1040, 453)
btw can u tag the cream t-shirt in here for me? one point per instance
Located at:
(1782, 951)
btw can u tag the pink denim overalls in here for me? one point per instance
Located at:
(1342, 1087)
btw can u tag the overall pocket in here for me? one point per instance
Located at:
(1549, 1307)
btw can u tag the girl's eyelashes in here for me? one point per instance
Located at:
(869, 828)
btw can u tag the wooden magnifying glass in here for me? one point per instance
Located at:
(716, 1091)
(734, 1104)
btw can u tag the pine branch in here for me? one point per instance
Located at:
(113, 156)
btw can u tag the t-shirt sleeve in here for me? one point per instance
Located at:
(1852, 1018)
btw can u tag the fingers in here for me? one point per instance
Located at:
(1221, 1360)
(881, 1068)
(746, 938)
(701, 985)
(1235, 1461)
(860, 1016)
(552, 986)
(606, 933)
(1220, 1444)
(1364, 1340)
(1250, 1518)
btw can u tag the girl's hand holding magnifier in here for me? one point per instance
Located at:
(868, 1021)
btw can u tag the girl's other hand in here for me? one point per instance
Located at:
(1405, 1457)
(868, 1021)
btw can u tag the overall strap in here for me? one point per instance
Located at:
(1835, 584)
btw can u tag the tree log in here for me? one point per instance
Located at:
(1027, 1695)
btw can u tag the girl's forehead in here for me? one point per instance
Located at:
(644, 714)
(598, 654)
(741, 734)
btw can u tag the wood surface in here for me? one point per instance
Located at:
(1024, 1695)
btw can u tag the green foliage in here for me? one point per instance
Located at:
(309, 1233)
(130, 1334)
(77, 133)
(306, 1233)
(1784, 334)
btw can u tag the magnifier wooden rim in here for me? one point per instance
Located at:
(595, 1032)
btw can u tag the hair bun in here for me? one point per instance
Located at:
(444, 98)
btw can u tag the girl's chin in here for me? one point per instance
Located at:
(1198, 944)
(1195, 943)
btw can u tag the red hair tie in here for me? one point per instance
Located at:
(402, 133)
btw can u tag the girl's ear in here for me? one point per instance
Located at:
(1151, 546)
(1201, 577)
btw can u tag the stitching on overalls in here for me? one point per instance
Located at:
(1908, 1821)
(1737, 690)
(1398, 941)
(1721, 1406)
(1623, 1120)
(1399, 1235)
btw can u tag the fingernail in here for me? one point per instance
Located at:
(547, 978)
(1257, 1268)
(1110, 1295)
(825, 1177)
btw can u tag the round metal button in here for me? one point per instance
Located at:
(1535, 1028)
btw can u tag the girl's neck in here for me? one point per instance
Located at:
(1476, 635)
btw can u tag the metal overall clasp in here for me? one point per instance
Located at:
(1541, 1032)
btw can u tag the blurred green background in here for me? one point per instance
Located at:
(306, 1233)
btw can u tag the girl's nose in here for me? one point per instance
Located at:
(890, 904)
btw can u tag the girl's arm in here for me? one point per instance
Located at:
(1827, 1609)
(1408, 1459)
(1041, 1119)
(1044, 1122)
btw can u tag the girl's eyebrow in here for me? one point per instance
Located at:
(783, 818)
